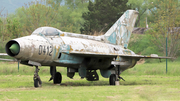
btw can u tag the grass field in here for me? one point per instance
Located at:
(144, 82)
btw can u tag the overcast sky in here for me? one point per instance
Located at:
(11, 5)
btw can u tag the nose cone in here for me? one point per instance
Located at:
(14, 48)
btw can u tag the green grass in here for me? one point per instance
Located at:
(144, 82)
(158, 68)
(11, 68)
(143, 88)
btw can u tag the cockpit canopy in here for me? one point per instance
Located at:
(47, 31)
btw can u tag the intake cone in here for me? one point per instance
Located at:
(14, 48)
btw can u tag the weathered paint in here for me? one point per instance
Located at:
(69, 59)
(112, 38)
(47, 45)
(65, 48)
(123, 28)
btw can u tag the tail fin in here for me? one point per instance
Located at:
(120, 32)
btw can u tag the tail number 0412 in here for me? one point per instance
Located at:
(45, 50)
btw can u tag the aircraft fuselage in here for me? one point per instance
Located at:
(54, 51)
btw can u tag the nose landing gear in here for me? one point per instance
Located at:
(36, 78)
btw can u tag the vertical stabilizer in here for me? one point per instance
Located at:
(120, 32)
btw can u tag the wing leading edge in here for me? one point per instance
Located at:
(4, 54)
(87, 54)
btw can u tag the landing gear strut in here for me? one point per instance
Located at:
(115, 77)
(37, 80)
(52, 72)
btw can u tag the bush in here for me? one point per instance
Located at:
(141, 44)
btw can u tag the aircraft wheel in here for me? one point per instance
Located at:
(112, 79)
(37, 82)
(57, 78)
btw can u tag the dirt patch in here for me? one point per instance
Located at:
(139, 88)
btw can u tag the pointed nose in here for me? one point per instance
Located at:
(14, 48)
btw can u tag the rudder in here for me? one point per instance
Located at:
(120, 32)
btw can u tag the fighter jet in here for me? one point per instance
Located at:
(85, 54)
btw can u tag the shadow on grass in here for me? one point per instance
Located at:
(80, 83)
(140, 82)
(103, 83)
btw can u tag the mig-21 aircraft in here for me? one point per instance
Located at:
(48, 46)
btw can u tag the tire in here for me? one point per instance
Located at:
(37, 83)
(57, 78)
(112, 79)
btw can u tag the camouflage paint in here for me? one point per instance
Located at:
(55, 47)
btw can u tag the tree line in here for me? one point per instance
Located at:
(96, 17)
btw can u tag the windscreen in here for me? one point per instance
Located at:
(47, 31)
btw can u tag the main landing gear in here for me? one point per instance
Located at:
(114, 78)
(55, 76)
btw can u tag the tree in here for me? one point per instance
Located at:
(50, 13)
(3, 31)
(69, 14)
(102, 14)
(167, 22)
(33, 15)
(75, 4)
(3, 27)
(38, 14)
(13, 28)
(1, 11)
(146, 9)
